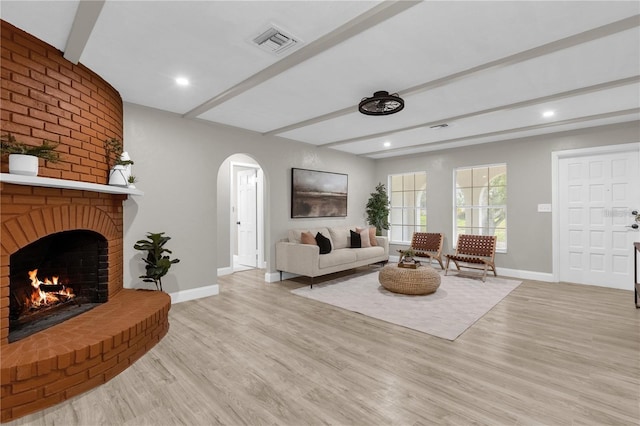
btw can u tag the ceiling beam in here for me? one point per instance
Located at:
(456, 142)
(545, 49)
(371, 18)
(522, 104)
(83, 23)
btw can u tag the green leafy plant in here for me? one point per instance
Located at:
(378, 209)
(113, 151)
(10, 145)
(157, 264)
(132, 179)
(407, 254)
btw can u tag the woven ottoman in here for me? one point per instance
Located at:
(422, 280)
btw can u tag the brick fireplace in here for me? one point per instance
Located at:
(46, 97)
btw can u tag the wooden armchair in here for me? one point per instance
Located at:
(428, 245)
(474, 252)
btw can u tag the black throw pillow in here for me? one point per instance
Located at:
(324, 243)
(356, 240)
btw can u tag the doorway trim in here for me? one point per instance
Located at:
(556, 156)
(233, 234)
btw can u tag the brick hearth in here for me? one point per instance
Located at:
(84, 352)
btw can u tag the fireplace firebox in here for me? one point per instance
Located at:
(56, 278)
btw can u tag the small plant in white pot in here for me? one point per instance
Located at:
(23, 158)
(132, 181)
(118, 161)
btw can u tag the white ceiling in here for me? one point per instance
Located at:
(487, 69)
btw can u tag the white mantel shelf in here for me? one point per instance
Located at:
(66, 184)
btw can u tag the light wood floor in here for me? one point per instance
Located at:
(548, 354)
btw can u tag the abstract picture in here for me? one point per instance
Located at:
(318, 194)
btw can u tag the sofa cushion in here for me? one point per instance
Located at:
(372, 234)
(294, 235)
(308, 238)
(324, 243)
(364, 238)
(339, 237)
(355, 240)
(368, 252)
(337, 257)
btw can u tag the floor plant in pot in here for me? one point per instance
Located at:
(378, 209)
(23, 158)
(157, 263)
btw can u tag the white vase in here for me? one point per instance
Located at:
(127, 168)
(117, 176)
(20, 164)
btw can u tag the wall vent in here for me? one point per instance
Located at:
(274, 40)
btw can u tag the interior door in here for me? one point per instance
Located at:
(597, 195)
(247, 218)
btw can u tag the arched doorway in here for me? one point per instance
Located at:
(240, 214)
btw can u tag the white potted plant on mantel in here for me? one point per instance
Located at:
(132, 182)
(119, 163)
(23, 158)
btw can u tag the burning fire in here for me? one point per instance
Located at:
(42, 296)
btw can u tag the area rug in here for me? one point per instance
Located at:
(459, 302)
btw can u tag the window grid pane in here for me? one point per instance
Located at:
(408, 205)
(481, 198)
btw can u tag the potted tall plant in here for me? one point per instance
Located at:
(157, 263)
(23, 158)
(378, 209)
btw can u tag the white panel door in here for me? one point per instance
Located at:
(597, 194)
(247, 223)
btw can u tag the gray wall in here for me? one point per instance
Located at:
(529, 233)
(178, 161)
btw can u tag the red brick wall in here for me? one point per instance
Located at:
(44, 96)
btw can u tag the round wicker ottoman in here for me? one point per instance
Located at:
(422, 280)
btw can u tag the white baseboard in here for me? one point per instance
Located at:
(225, 271)
(273, 277)
(513, 273)
(525, 275)
(194, 293)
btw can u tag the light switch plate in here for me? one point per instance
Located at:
(544, 208)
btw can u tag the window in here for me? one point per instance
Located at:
(481, 202)
(408, 205)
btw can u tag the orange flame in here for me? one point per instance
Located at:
(41, 298)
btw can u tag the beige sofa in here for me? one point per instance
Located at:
(305, 259)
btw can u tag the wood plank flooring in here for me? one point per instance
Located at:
(548, 354)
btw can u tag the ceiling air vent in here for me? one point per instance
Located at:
(274, 40)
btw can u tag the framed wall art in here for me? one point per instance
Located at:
(318, 194)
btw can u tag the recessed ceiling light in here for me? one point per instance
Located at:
(182, 81)
(548, 114)
(387, 144)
